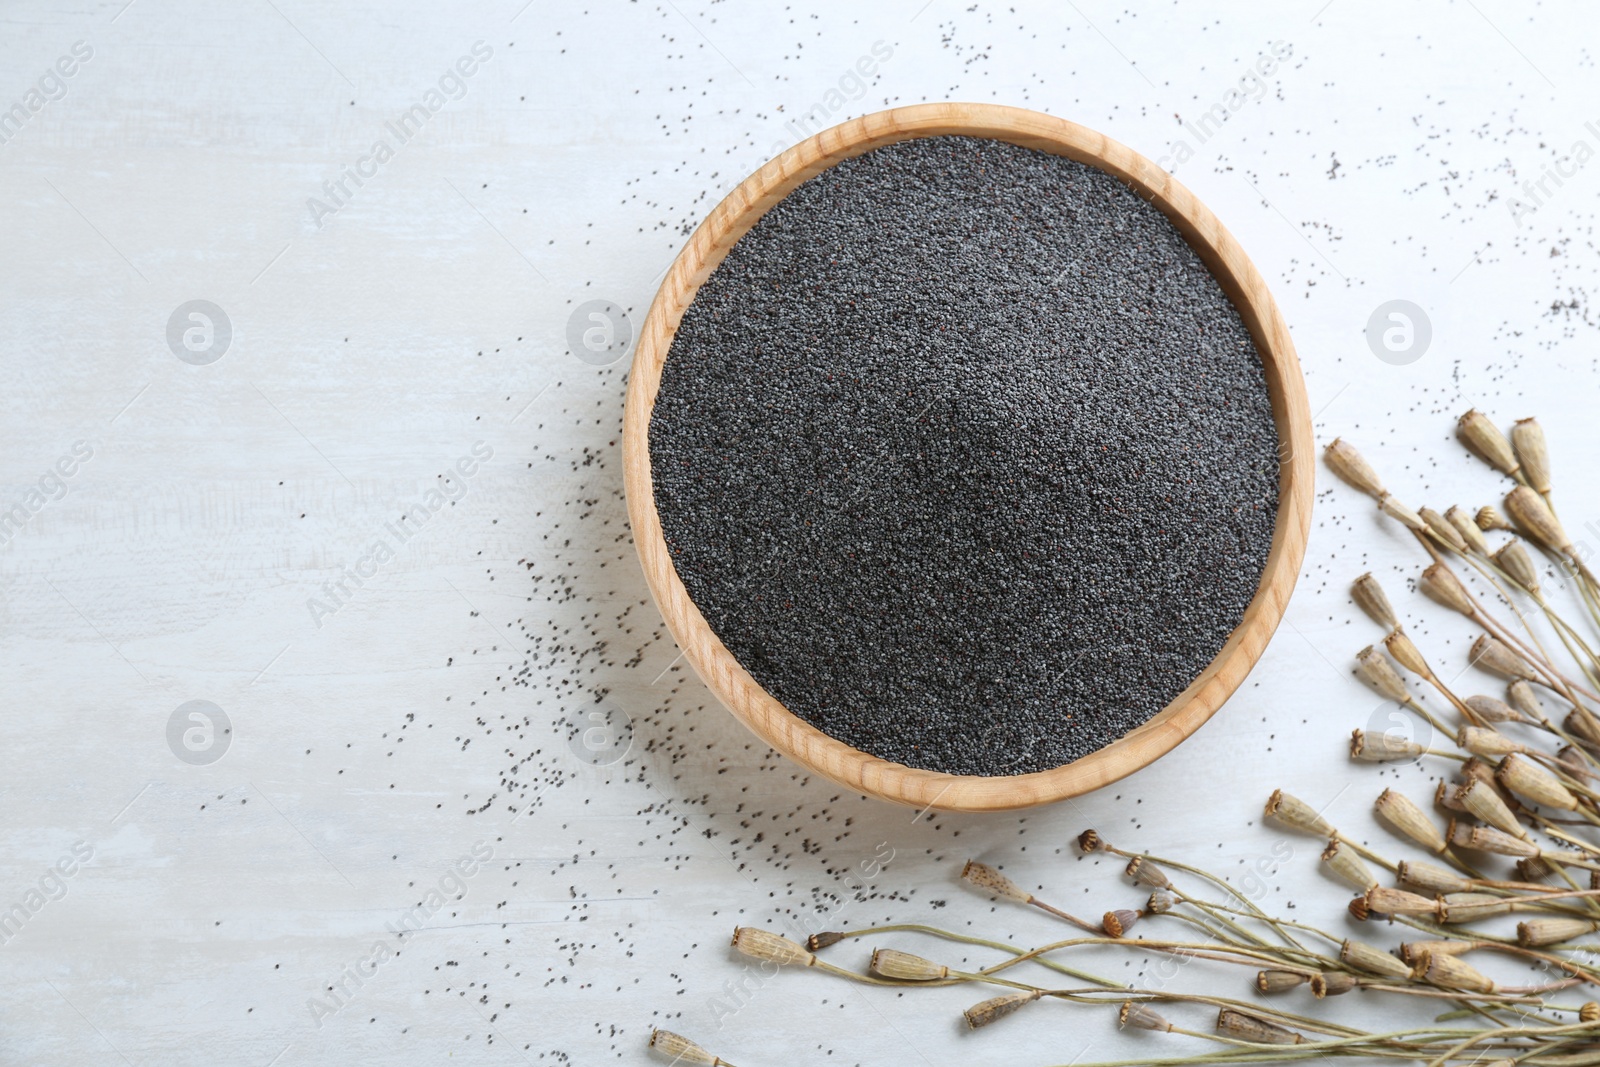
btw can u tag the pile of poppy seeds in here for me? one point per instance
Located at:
(966, 457)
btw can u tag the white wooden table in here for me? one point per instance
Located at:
(396, 753)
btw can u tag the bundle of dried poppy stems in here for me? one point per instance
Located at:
(1512, 865)
(1206, 918)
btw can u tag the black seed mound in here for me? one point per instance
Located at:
(966, 457)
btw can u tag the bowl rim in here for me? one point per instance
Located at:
(727, 678)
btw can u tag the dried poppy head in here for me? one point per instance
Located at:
(1440, 584)
(680, 1049)
(1141, 1017)
(1534, 518)
(766, 945)
(1489, 518)
(1161, 902)
(1483, 437)
(1343, 459)
(1345, 865)
(1375, 667)
(1488, 709)
(1393, 508)
(1242, 1027)
(1400, 812)
(1369, 595)
(1117, 923)
(1147, 874)
(1513, 558)
(985, 877)
(1468, 528)
(1276, 981)
(817, 942)
(1407, 654)
(986, 1012)
(1495, 657)
(1296, 814)
(1527, 441)
(1443, 529)
(1332, 983)
(904, 967)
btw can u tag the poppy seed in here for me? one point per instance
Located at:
(966, 457)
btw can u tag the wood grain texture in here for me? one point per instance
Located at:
(734, 686)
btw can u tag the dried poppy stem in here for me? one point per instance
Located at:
(1307, 957)
(1369, 747)
(924, 969)
(969, 939)
(986, 877)
(1136, 1013)
(1343, 459)
(1585, 657)
(1095, 843)
(1532, 515)
(1379, 672)
(1446, 587)
(1406, 653)
(1451, 1053)
(1523, 665)
(1039, 956)
(1537, 654)
(1090, 841)
(1399, 1044)
(1513, 562)
(769, 947)
(904, 969)
(1296, 814)
(1519, 571)
(1147, 996)
(1237, 1023)
(1244, 955)
(1509, 946)
(1441, 584)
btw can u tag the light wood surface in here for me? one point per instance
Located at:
(735, 687)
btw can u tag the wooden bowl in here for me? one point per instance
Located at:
(734, 686)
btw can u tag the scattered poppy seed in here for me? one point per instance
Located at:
(966, 457)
